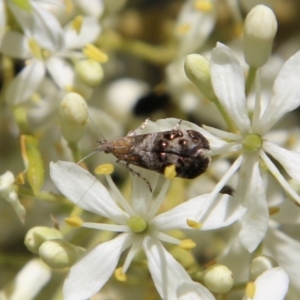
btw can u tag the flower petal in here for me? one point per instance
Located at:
(93, 270)
(254, 223)
(89, 31)
(290, 160)
(166, 272)
(189, 290)
(272, 284)
(225, 211)
(278, 244)
(286, 95)
(84, 190)
(14, 44)
(229, 85)
(25, 83)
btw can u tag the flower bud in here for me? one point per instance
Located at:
(36, 236)
(197, 70)
(259, 32)
(89, 71)
(73, 117)
(59, 254)
(261, 264)
(218, 279)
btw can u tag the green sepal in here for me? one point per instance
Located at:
(33, 162)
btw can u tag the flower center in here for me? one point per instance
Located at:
(252, 142)
(137, 224)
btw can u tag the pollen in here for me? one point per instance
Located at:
(250, 289)
(170, 172)
(194, 224)
(35, 49)
(104, 169)
(203, 5)
(120, 276)
(75, 222)
(187, 244)
(77, 24)
(92, 52)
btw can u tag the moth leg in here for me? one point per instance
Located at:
(143, 125)
(126, 165)
(177, 125)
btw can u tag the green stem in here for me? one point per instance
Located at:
(250, 79)
(75, 152)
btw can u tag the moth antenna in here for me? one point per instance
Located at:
(87, 156)
(94, 126)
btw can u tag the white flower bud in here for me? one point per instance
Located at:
(73, 117)
(36, 236)
(89, 71)
(261, 264)
(197, 70)
(59, 254)
(259, 32)
(218, 279)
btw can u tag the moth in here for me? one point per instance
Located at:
(186, 149)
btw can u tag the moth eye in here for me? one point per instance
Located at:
(182, 142)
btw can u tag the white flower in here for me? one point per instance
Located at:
(7, 192)
(250, 141)
(271, 284)
(139, 226)
(39, 59)
(35, 21)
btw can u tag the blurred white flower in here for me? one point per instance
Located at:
(7, 192)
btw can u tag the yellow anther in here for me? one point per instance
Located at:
(69, 6)
(170, 172)
(77, 24)
(92, 52)
(20, 179)
(250, 289)
(35, 49)
(203, 5)
(184, 28)
(273, 210)
(104, 169)
(194, 224)
(120, 276)
(187, 244)
(74, 222)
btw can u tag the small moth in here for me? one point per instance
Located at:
(186, 149)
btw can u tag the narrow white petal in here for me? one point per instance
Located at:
(61, 71)
(2, 19)
(224, 212)
(14, 44)
(272, 284)
(25, 83)
(254, 223)
(141, 196)
(28, 282)
(277, 174)
(95, 7)
(93, 270)
(286, 251)
(84, 190)
(189, 290)
(229, 85)
(290, 160)
(286, 95)
(89, 31)
(166, 272)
